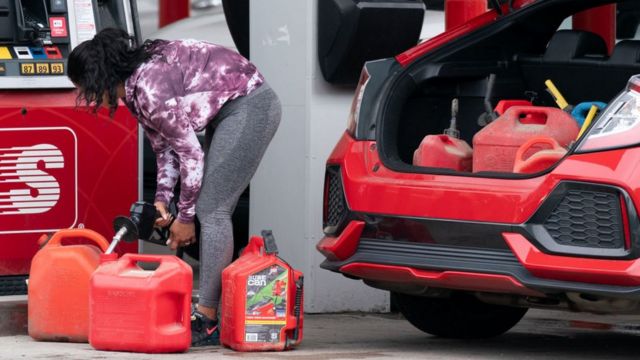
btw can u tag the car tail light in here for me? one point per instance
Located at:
(354, 115)
(618, 125)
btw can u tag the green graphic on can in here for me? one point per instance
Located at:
(267, 293)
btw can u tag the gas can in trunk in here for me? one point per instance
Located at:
(496, 145)
(444, 151)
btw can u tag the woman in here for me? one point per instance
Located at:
(175, 89)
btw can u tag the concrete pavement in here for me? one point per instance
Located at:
(541, 335)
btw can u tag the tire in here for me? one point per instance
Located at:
(461, 316)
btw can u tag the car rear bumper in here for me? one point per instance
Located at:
(524, 270)
(575, 229)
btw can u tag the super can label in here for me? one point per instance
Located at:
(266, 304)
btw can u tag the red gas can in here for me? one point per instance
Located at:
(496, 145)
(59, 286)
(444, 151)
(540, 160)
(261, 300)
(132, 309)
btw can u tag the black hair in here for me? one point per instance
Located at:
(99, 65)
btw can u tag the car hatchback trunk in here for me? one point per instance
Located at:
(522, 54)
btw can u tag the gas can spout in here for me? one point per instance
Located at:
(116, 240)
(270, 246)
(452, 131)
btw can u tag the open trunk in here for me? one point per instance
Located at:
(525, 51)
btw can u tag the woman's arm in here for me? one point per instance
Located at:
(179, 149)
(168, 166)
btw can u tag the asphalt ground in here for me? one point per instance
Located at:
(540, 335)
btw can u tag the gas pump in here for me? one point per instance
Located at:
(36, 36)
(60, 166)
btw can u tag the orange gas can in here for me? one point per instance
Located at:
(495, 146)
(262, 300)
(132, 309)
(59, 286)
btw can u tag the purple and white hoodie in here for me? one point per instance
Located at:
(175, 94)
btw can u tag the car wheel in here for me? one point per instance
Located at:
(461, 316)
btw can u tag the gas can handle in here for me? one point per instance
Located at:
(56, 239)
(520, 112)
(538, 140)
(150, 258)
(255, 245)
(270, 246)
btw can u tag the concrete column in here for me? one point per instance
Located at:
(286, 193)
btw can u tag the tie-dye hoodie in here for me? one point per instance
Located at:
(177, 93)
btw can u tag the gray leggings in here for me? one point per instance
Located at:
(243, 129)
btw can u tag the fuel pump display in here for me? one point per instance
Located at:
(60, 166)
(36, 36)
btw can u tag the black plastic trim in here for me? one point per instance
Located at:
(440, 256)
(379, 71)
(438, 232)
(449, 258)
(539, 234)
(13, 285)
(336, 170)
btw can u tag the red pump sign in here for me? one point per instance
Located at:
(61, 167)
(38, 178)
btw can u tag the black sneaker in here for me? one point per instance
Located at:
(204, 331)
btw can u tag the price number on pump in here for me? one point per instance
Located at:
(27, 69)
(57, 68)
(42, 69)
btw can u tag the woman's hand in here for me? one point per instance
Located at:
(181, 234)
(165, 218)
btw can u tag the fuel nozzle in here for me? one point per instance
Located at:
(453, 130)
(139, 225)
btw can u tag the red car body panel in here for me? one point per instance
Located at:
(446, 279)
(567, 268)
(344, 245)
(371, 188)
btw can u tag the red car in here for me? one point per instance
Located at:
(465, 254)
